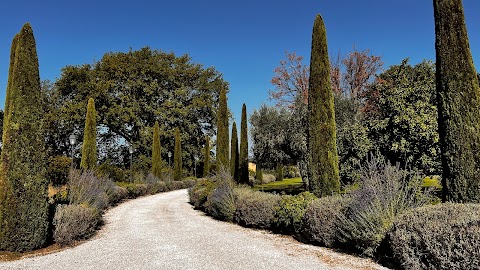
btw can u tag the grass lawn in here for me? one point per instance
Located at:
(289, 186)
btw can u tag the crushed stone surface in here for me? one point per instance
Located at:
(163, 231)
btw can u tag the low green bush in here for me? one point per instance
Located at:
(117, 194)
(108, 170)
(443, 236)
(189, 182)
(176, 185)
(157, 187)
(134, 190)
(290, 211)
(199, 193)
(221, 201)
(57, 170)
(254, 208)
(319, 224)
(74, 222)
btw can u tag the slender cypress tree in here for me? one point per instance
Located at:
(234, 153)
(23, 182)
(223, 150)
(323, 156)
(89, 147)
(243, 155)
(458, 97)
(156, 152)
(206, 161)
(177, 157)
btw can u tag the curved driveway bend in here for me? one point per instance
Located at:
(164, 232)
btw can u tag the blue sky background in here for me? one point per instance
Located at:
(244, 40)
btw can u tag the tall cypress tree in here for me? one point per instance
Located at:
(323, 172)
(234, 153)
(222, 132)
(156, 152)
(206, 161)
(89, 147)
(23, 183)
(177, 157)
(243, 155)
(458, 97)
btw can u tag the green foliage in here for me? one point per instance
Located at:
(206, 155)
(58, 168)
(290, 211)
(74, 223)
(221, 202)
(86, 188)
(23, 164)
(223, 149)
(243, 155)
(259, 174)
(177, 157)
(234, 161)
(109, 170)
(385, 192)
(404, 126)
(323, 170)
(173, 90)
(458, 97)
(89, 147)
(443, 236)
(199, 193)
(319, 224)
(254, 208)
(279, 172)
(156, 152)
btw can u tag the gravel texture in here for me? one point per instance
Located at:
(164, 232)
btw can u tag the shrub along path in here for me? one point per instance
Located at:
(164, 232)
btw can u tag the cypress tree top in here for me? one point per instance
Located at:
(243, 155)
(222, 132)
(89, 147)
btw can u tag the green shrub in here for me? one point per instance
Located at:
(134, 190)
(74, 222)
(290, 211)
(267, 178)
(221, 202)
(254, 208)
(176, 185)
(113, 172)
(384, 193)
(86, 188)
(117, 194)
(58, 168)
(199, 193)
(157, 187)
(279, 173)
(319, 224)
(189, 182)
(444, 236)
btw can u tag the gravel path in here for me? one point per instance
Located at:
(164, 232)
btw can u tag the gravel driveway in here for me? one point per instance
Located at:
(164, 232)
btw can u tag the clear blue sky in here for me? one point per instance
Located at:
(244, 40)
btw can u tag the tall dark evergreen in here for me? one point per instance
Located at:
(23, 183)
(223, 150)
(89, 147)
(177, 157)
(234, 153)
(243, 155)
(323, 171)
(206, 155)
(458, 97)
(156, 152)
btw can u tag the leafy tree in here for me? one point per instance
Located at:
(89, 147)
(458, 96)
(206, 155)
(132, 90)
(404, 125)
(177, 157)
(156, 152)
(323, 172)
(243, 155)
(222, 132)
(234, 164)
(23, 184)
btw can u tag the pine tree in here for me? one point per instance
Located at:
(223, 150)
(458, 97)
(206, 161)
(234, 153)
(243, 155)
(89, 147)
(156, 152)
(23, 183)
(177, 157)
(323, 172)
